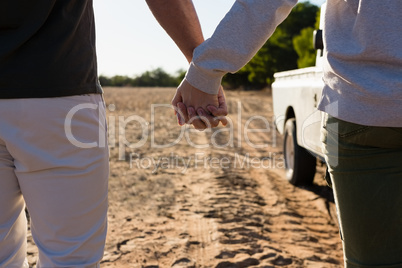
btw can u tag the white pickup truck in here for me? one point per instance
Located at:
(296, 94)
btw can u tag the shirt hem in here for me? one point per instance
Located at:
(355, 109)
(49, 92)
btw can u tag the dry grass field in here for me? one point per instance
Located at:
(184, 198)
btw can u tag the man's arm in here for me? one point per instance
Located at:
(180, 21)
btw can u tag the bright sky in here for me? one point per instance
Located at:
(130, 41)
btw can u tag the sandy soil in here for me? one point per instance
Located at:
(181, 198)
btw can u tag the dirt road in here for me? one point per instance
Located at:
(183, 198)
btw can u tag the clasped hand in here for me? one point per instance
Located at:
(202, 110)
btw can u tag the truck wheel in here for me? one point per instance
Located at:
(300, 165)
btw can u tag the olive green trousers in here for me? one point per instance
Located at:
(365, 165)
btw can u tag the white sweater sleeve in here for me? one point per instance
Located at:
(238, 37)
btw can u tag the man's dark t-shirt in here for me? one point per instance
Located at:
(47, 48)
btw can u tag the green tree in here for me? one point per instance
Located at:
(278, 53)
(317, 19)
(303, 45)
(156, 78)
(121, 81)
(105, 81)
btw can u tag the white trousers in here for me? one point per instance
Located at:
(53, 155)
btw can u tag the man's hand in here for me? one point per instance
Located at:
(198, 108)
